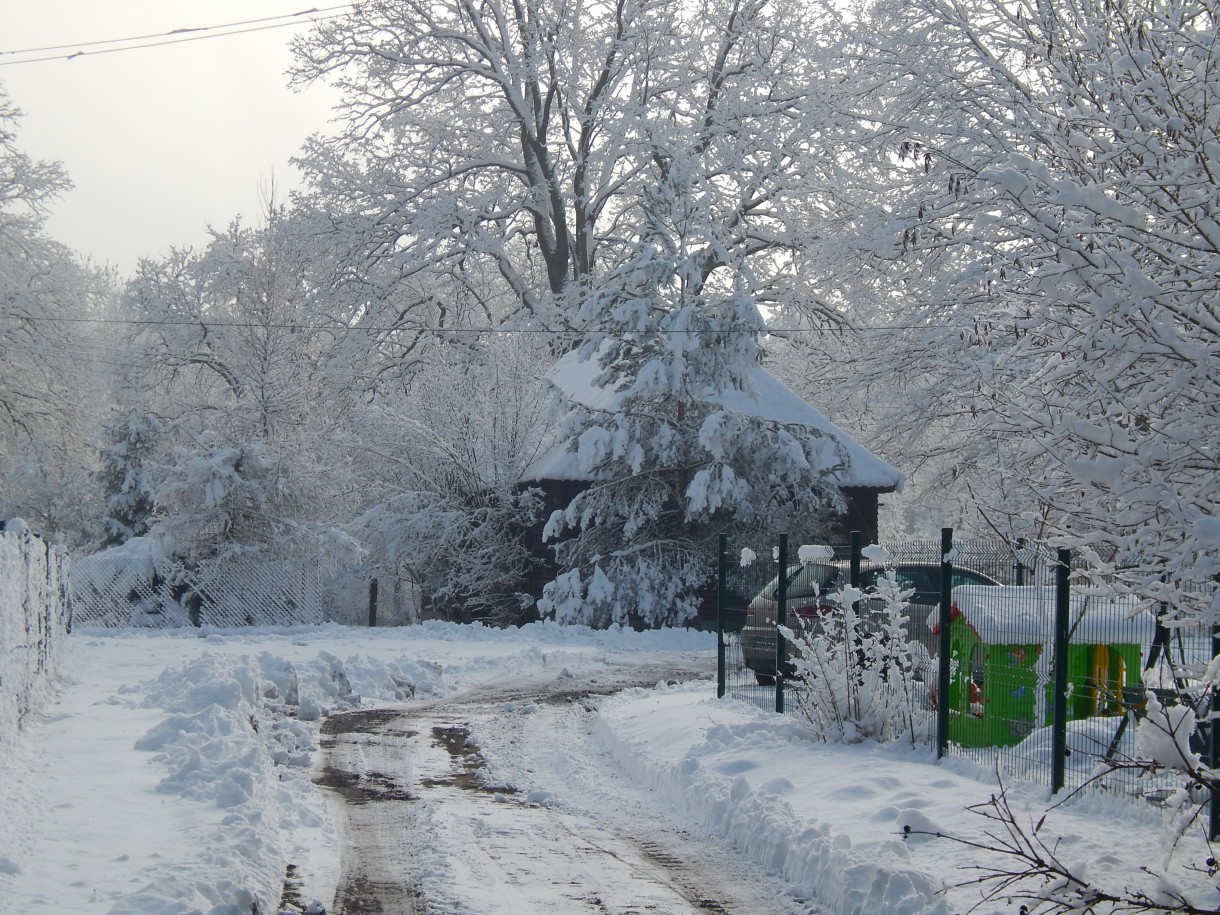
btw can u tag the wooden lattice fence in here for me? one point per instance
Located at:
(138, 587)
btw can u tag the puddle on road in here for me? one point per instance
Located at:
(371, 786)
(358, 895)
(377, 786)
(456, 740)
(366, 889)
(363, 789)
(364, 721)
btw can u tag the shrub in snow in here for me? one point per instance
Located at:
(226, 497)
(855, 669)
(448, 516)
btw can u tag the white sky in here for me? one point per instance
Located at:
(159, 142)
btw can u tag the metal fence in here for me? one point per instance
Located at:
(1024, 669)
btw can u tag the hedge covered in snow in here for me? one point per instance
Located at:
(33, 622)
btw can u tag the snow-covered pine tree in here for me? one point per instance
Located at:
(127, 448)
(673, 457)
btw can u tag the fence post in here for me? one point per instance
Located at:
(1213, 735)
(781, 619)
(373, 604)
(721, 589)
(1020, 566)
(1063, 594)
(853, 568)
(942, 671)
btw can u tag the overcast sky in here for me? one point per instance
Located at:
(160, 142)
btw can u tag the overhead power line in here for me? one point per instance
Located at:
(338, 327)
(174, 36)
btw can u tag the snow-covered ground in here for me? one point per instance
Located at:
(174, 773)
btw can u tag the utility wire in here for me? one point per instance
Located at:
(339, 326)
(172, 32)
(174, 36)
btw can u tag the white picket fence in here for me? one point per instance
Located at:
(33, 623)
(136, 585)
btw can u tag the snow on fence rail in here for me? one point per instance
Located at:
(136, 584)
(33, 622)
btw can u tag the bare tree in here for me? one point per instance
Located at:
(52, 360)
(441, 469)
(1041, 249)
(509, 150)
(231, 354)
(646, 172)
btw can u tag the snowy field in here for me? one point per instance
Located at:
(174, 774)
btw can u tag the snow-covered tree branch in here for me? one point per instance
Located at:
(1046, 237)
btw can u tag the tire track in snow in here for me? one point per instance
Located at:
(470, 806)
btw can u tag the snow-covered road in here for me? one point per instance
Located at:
(549, 768)
(505, 801)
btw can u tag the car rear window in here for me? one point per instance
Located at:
(807, 581)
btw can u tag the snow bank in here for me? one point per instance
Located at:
(241, 737)
(203, 817)
(851, 826)
(713, 767)
(33, 624)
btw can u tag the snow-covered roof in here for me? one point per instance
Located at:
(1024, 615)
(575, 380)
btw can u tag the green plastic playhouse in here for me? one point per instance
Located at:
(1000, 688)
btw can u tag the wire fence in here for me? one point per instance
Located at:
(33, 623)
(1019, 666)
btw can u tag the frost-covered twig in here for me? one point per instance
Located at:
(1031, 873)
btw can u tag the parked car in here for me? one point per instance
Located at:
(811, 590)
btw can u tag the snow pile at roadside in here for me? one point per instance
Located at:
(716, 766)
(833, 820)
(173, 776)
(240, 737)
